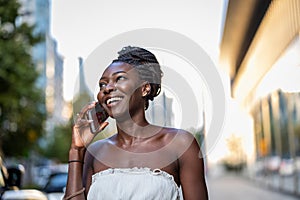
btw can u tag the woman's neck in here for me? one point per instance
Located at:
(131, 126)
(132, 131)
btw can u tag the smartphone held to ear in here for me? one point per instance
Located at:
(98, 115)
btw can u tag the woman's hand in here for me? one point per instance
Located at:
(82, 135)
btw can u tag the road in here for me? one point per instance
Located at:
(234, 187)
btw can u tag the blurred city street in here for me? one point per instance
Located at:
(231, 186)
(230, 77)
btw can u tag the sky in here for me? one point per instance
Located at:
(81, 26)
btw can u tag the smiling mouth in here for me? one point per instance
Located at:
(113, 100)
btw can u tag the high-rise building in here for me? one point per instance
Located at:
(82, 94)
(46, 58)
(263, 66)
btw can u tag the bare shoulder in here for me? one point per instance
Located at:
(179, 135)
(179, 140)
(101, 144)
(97, 152)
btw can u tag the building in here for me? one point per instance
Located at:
(48, 61)
(82, 94)
(260, 50)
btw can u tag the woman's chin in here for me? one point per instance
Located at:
(120, 116)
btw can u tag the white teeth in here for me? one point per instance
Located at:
(113, 99)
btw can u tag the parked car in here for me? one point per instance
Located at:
(55, 186)
(273, 164)
(28, 194)
(287, 167)
(10, 183)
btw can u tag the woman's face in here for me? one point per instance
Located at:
(120, 91)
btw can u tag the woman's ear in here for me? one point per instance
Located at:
(146, 89)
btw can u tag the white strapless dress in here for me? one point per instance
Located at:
(133, 184)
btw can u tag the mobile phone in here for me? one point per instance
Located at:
(98, 115)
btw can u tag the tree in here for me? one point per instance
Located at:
(58, 147)
(22, 109)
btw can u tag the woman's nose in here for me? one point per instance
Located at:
(110, 87)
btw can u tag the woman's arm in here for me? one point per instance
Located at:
(192, 173)
(75, 169)
(81, 139)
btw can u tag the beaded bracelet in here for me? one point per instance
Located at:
(80, 161)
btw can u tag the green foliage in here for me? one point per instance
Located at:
(58, 148)
(22, 109)
(59, 144)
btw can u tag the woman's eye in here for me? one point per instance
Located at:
(102, 85)
(120, 78)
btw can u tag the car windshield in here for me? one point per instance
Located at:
(56, 182)
(59, 179)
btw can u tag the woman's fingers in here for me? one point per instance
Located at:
(102, 126)
(84, 110)
(83, 135)
(82, 123)
(81, 116)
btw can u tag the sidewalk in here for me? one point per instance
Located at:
(230, 186)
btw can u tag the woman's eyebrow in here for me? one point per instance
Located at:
(118, 72)
(115, 73)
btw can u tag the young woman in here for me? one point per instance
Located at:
(141, 161)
